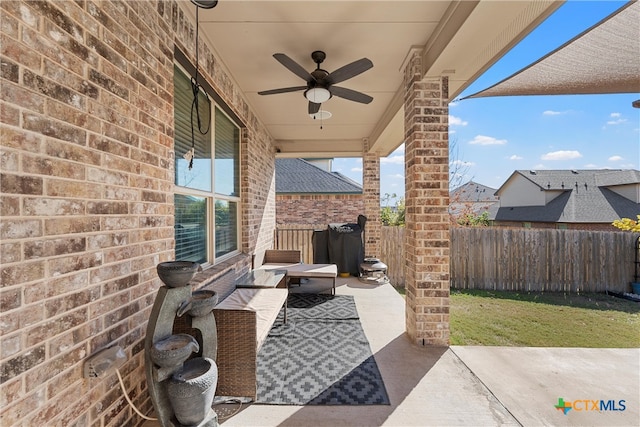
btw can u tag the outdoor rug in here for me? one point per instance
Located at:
(320, 357)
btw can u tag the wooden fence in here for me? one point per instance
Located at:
(392, 253)
(541, 260)
(299, 238)
(511, 258)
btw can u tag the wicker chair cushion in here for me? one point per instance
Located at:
(277, 266)
(265, 302)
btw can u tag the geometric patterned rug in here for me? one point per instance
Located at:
(320, 357)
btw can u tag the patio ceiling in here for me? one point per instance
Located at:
(458, 39)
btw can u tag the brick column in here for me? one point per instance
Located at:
(371, 194)
(427, 199)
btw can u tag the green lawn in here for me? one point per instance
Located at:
(543, 319)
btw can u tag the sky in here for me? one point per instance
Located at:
(492, 137)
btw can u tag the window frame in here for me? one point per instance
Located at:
(211, 196)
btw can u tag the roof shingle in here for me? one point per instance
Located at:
(585, 197)
(301, 177)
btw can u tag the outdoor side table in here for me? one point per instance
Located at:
(262, 279)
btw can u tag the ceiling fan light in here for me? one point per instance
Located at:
(317, 95)
(321, 115)
(205, 4)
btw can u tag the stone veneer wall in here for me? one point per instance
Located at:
(86, 183)
(426, 213)
(314, 209)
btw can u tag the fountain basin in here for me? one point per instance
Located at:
(173, 350)
(202, 302)
(191, 390)
(176, 274)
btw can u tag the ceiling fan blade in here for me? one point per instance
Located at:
(350, 70)
(282, 90)
(351, 95)
(313, 107)
(293, 66)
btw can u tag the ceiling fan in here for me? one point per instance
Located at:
(320, 83)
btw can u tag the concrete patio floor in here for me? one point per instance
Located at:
(465, 385)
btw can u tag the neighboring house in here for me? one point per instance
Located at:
(567, 199)
(472, 198)
(309, 193)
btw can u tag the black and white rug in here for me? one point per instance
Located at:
(320, 357)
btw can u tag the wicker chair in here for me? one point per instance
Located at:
(236, 341)
(282, 256)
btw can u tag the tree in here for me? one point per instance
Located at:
(392, 215)
(473, 220)
(458, 168)
(627, 224)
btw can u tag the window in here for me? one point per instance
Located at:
(207, 196)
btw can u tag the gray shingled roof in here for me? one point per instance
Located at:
(586, 198)
(301, 177)
(473, 192)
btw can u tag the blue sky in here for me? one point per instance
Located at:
(495, 136)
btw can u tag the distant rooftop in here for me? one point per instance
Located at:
(473, 192)
(563, 179)
(587, 196)
(297, 176)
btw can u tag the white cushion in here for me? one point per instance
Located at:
(277, 266)
(313, 270)
(265, 302)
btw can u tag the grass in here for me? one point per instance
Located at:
(543, 320)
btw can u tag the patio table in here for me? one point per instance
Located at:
(262, 279)
(314, 271)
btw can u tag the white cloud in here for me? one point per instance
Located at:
(393, 160)
(461, 163)
(615, 158)
(457, 121)
(539, 166)
(553, 113)
(591, 166)
(356, 169)
(515, 157)
(453, 104)
(396, 176)
(617, 119)
(561, 155)
(487, 140)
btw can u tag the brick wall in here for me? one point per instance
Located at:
(87, 207)
(426, 213)
(371, 188)
(301, 209)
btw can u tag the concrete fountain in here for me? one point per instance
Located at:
(180, 367)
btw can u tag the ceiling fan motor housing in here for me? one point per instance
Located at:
(318, 56)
